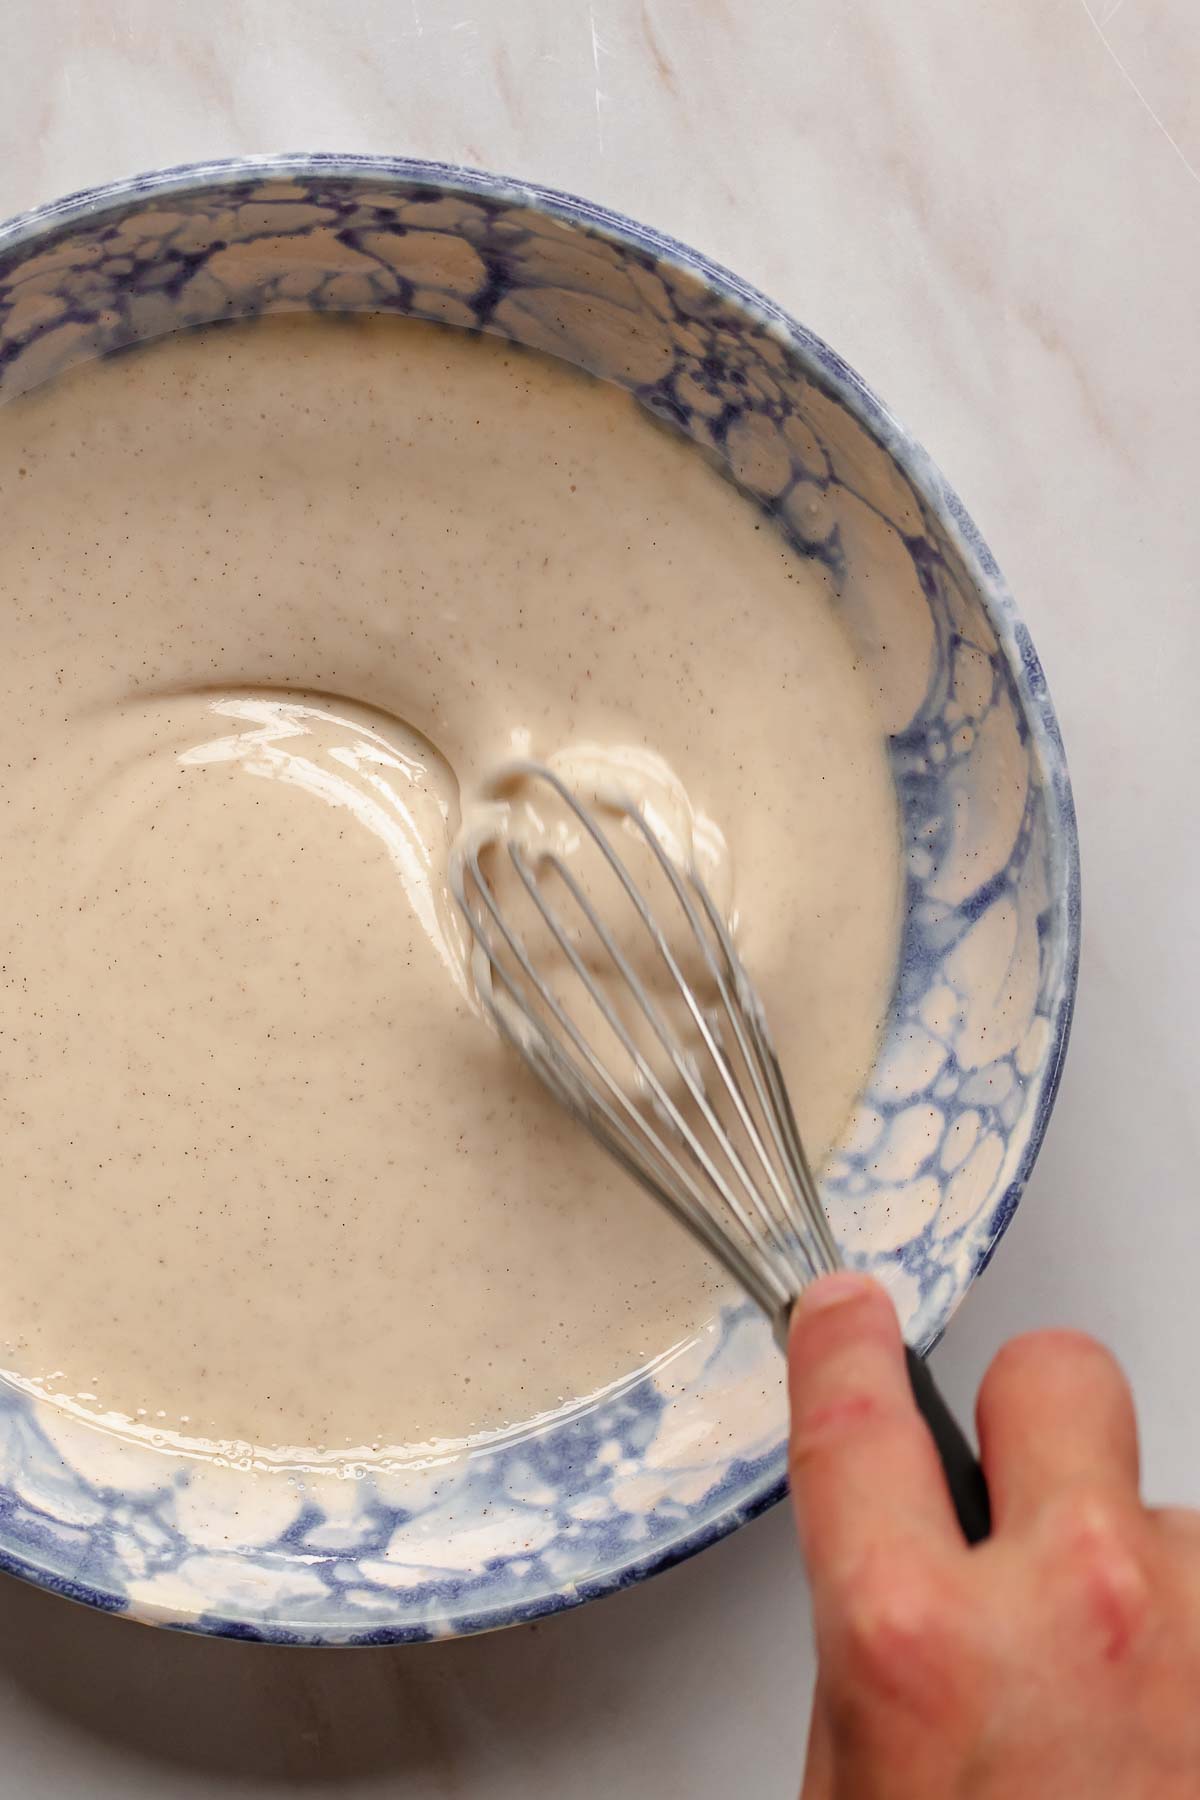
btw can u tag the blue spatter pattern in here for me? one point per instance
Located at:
(944, 1138)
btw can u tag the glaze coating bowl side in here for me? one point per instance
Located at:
(942, 1141)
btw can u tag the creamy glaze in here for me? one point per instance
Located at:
(269, 1184)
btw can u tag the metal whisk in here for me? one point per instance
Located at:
(654, 1037)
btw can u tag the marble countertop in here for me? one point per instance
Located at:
(994, 213)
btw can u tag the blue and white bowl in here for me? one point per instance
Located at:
(935, 1158)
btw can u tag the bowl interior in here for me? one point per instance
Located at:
(935, 1156)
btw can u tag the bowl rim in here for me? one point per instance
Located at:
(1012, 636)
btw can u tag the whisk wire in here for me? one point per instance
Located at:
(741, 1183)
(670, 1043)
(745, 1020)
(624, 1130)
(753, 1224)
(784, 1242)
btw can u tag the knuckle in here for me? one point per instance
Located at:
(1093, 1526)
(818, 1427)
(1100, 1543)
(902, 1637)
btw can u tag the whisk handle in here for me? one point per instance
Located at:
(964, 1476)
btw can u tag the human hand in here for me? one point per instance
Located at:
(1060, 1660)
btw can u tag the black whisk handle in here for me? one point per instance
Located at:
(968, 1489)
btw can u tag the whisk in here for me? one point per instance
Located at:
(657, 1041)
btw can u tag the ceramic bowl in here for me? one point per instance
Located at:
(941, 1143)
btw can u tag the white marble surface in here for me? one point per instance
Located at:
(994, 212)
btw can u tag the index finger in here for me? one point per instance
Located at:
(863, 1467)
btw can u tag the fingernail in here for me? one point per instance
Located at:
(835, 1290)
